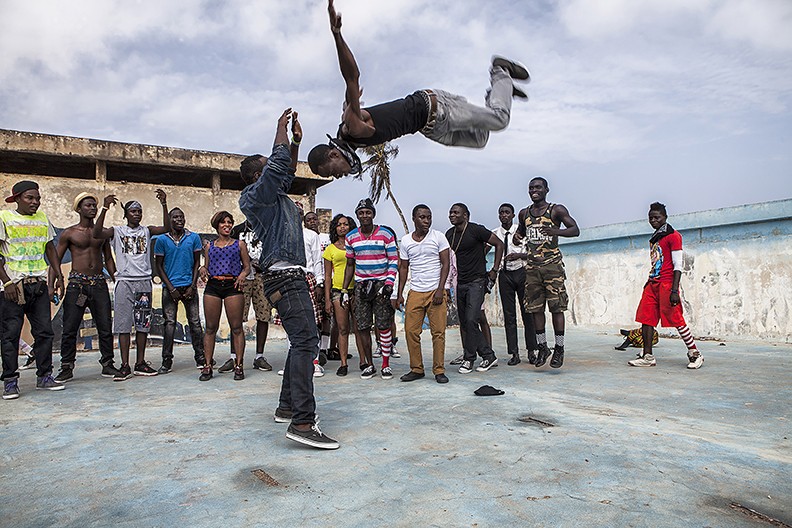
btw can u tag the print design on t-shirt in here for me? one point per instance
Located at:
(656, 255)
(134, 244)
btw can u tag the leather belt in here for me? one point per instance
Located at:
(282, 273)
(431, 102)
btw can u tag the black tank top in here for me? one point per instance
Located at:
(392, 120)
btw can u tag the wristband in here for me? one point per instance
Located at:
(7, 284)
(103, 209)
(295, 143)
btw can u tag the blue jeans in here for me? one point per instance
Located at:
(95, 297)
(170, 309)
(462, 124)
(37, 310)
(288, 293)
(470, 297)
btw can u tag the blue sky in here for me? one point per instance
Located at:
(632, 101)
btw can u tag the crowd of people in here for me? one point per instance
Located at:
(322, 288)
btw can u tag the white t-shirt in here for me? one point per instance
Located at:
(313, 255)
(132, 248)
(511, 248)
(424, 257)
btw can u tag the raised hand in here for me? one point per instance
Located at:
(109, 200)
(161, 196)
(283, 120)
(296, 128)
(335, 18)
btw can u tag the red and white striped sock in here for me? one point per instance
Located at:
(687, 337)
(385, 340)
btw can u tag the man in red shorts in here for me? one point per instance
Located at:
(660, 300)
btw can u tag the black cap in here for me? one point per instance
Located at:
(366, 203)
(19, 188)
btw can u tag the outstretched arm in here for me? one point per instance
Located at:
(353, 117)
(296, 138)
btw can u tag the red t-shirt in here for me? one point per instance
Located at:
(660, 253)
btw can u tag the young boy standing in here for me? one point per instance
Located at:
(660, 300)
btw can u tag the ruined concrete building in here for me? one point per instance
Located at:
(197, 181)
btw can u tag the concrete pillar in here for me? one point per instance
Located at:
(101, 173)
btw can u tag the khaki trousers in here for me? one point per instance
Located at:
(418, 305)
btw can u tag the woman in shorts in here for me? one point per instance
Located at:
(226, 266)
(334, 265)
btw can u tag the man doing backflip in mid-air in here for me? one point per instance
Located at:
(440, 116)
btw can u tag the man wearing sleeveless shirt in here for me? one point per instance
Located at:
(440, 116)
(540, 226)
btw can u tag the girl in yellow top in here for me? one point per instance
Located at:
(334, 265)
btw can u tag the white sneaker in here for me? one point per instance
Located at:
(395, 353)
(645, 361)
(318, 370)
(280, 372)
(695, 361)
(386, 373)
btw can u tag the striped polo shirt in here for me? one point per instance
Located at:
(376, 256)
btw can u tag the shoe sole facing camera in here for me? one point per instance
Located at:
(515, 70)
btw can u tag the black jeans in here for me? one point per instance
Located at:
(96, 297)
(37, 310)
(170, 308)
(511, 284)
(288, 293)
(470, 296)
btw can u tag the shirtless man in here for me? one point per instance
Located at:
(87, 288)
(440, 116)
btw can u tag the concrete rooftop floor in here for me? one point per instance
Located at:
(659, 446)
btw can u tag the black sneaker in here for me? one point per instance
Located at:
(228, 366)
(322, 358)
(541, 355)
(30, 362)
(261, 364)
(11, 389)
(441, 378)
(558, 357)
(343, 370)
(519, 93)
(312, 437)
(487, 364)
(48, 383)
(283, 415)
(200, 361)
(369, 372)
(412, 376)
(206, 373)
(514, 360)
(167, 366)
(239, 374)
(144, 369)
(124, 373)
(531, 357)
(109, 371)
(65, 374)
(513, 68)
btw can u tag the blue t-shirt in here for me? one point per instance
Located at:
(179, 257)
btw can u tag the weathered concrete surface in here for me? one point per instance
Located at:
(661, 446)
